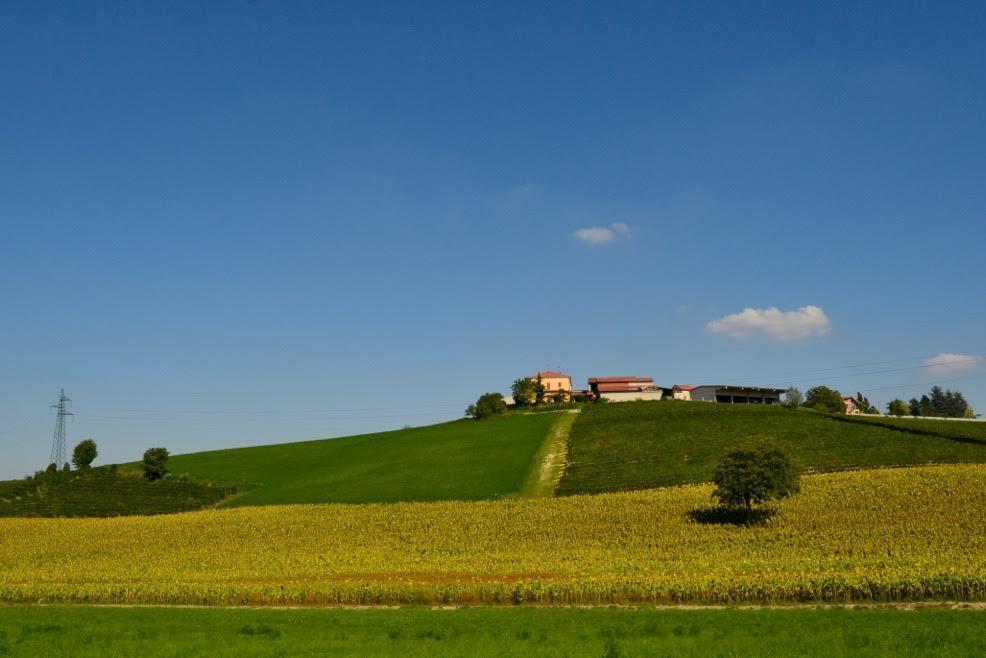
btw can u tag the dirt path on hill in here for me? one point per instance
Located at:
(549, 463)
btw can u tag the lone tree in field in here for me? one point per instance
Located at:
(155, 463)
(897, 408)
(823, 398)
(488, 404)
(752, 476)
(84, 454)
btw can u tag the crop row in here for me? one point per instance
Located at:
(103, 493)
(894, 534)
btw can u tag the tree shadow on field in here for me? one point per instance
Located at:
(738, 516)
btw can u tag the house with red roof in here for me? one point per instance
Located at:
(625, 389)
(557, 385)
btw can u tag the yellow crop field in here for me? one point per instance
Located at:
(894, 534)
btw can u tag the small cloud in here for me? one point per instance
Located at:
(946, 363)
(777, 324)
(597, 235)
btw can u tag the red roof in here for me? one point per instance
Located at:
(621, 380)
(552, 374)
(685, 387)
(616, 388)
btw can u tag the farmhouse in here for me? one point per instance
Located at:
(556, 384)
(682, 391)
(625, 389)
(732, 394)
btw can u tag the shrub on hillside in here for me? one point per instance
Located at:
(793, 397)
(84, 454)
(155, 463)
(488, 405)
(823, 398)
(752, 476)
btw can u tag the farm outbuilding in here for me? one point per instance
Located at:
(734, 394)
(625, 389)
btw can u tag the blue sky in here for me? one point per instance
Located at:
(237, 223)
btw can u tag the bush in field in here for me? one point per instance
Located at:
(793, 397)
(823, 398)
(755, 475)
(155, 463)
(488, 405)
(84, 454)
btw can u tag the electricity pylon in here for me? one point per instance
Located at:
(58, 451)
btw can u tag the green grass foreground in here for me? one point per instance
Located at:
(640, 445)
(90, 631)
(460, 460)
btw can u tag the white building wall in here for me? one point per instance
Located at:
(631, 396)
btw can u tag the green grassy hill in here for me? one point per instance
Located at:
(460, 460)
(100, 492)
(639, 445)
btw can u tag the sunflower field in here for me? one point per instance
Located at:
(876, 535)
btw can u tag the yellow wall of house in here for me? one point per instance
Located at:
(556, 383)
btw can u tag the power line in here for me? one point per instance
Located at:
(241, 412)
(871, 363)
(963, 362)
(262, 420)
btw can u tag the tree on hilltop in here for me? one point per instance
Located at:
(539, 391)
(823, 398)
(524, 391)
(84, 454)
(864, 406)
(155, 463)
(793, 397)
(488, 405)
(897, 408)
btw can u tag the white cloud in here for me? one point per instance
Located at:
(597, 235)
(777, 324)
(945, 363)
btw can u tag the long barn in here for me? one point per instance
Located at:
(734, 394)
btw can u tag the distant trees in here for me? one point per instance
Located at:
(793, 397)
(524, 391)
(84, 454)
(155, 463)
(823, 398)
(488, 405)
(538, 390)
(751, 476)
(943, 403)
(864, 406)
(897, 408)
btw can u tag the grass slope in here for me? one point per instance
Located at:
(639, 445)
(885, 534)
(90, 631)
(971, 431)
(461, 460)
(101, 492)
